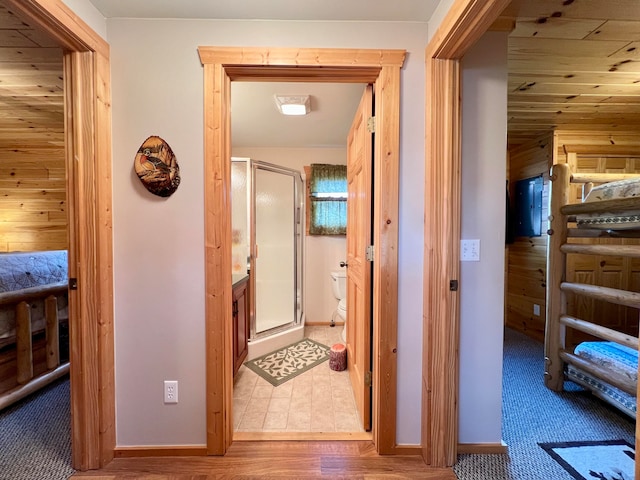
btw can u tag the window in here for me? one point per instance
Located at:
(326, 199)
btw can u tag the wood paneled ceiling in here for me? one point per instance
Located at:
(31, 91)
(573, 64)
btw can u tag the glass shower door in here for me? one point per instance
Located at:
(275, 223)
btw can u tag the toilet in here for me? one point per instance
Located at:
(339, 286)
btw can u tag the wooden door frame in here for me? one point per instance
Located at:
(464, 24)
(88, 163)
(225, 64)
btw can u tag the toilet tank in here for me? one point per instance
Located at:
(339, 284)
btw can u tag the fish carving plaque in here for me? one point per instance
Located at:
(157, 167)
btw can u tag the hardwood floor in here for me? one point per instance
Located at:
(301, 460)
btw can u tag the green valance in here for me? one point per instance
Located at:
(328, 178)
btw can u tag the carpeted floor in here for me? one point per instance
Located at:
(35, 443)
(532, 414)
(35, 433)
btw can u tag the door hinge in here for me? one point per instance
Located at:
(371, 124)
(73, 284)
(367, 379)
(370, 253)
(453, 285)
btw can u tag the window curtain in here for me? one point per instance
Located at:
(328, 188)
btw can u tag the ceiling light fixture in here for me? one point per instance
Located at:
(293, 104)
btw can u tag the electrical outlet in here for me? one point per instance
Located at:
(536, 309)
(170, 391)
(470, 250)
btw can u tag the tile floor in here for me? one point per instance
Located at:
(319, 400)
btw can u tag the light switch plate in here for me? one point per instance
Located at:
(470, 250)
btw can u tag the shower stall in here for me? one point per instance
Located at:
(267, 211)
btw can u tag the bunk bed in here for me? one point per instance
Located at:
(607, 366)
(33, 322)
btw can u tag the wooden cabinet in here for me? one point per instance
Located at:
(240, 322)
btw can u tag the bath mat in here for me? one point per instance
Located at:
(604, 460)
(287, 362)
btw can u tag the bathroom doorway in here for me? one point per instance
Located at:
(268, 198)
(381, 68)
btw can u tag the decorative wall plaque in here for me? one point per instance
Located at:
(157, 167)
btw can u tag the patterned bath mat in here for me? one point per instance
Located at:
(603, 460)
(286, 363)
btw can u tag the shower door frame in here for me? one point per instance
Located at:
(253, 165)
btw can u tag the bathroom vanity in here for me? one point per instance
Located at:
(241, 316)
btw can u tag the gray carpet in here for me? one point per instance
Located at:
(35, 438)
(532, 413)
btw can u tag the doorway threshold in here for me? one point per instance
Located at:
(311, 436)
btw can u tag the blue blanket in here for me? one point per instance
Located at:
(613, 357)
(31, 269)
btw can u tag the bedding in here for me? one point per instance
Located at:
(26, 270)
(31, 269)
(607, 220)
(613, 357)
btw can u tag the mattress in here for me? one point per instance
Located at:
(26, 270)
(31, 269)
(608, 220)
(613, 357)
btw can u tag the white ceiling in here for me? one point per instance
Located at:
(374, 10)
(255, 120)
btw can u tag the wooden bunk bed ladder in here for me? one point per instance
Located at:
(561, 213)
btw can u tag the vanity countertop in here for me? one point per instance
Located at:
(238, 278)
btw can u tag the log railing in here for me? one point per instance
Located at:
(20, 300)
(561, 213)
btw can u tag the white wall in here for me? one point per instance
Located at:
(90, 14)
(322, 254)
(158, 243)
(484, 143)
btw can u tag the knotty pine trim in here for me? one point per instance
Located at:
(407, 450)
(242, 59)
(218, 316)
(87, 137)
(161, 451)
(483, 448)
(54, 18)
(322, 324)
(464, 24)
(381, 68)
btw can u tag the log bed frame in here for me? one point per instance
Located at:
(20, 300)
(562, 214)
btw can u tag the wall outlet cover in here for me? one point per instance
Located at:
(170, 391)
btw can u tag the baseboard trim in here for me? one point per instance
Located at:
(483, 448)
(406, 450)
(322, 324)
(161, 451)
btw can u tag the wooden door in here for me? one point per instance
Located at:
(359, 163)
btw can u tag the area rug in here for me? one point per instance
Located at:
(603, 460)
(286, 363)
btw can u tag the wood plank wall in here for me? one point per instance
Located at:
(526, 265)
(32, 166)
(526, 258)
(33, 212)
